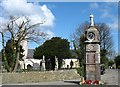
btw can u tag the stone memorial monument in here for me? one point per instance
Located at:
(92, 52)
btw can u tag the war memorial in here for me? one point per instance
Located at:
(92, 54)
(81, 61)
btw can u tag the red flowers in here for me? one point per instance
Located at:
(96, 82)
(89, 82)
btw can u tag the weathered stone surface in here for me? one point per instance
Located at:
(35, 77)
(92, 52)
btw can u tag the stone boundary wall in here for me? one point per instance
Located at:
(36, 77)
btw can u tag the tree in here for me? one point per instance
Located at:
(105, 61)
(54, 47)
(117, 61)
(18, 30)
(111, 62)
(80, 50)
(105, 39)
(78, 38)
(9, 51)
(2, 32)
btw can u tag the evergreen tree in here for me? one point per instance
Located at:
(10, 53)
(117, 61)
(55, 47)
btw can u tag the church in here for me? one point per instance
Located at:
(39, 64)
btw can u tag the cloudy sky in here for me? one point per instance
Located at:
(62, 18)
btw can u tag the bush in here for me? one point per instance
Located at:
(118, 67)
(80, 71)
(105, 61)
(117, 61)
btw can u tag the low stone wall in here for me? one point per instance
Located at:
(36, 77)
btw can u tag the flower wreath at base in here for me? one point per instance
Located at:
(90, 82)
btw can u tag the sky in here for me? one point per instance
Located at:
(62, 18)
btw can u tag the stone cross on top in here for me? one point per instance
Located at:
(91, 20)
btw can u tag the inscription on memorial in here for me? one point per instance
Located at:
(90, 58)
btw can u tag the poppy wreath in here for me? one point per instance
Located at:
(90, 82)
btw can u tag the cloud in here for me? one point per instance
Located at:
(107, 12)
(94, 5)
(113, 24)
(2, 20)
(35, 12)
(113, 19)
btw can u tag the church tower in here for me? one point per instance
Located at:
(24, 44)
(92, 52)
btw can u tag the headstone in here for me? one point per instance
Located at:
(92, 53)
(35, 66)
(63, 63)
(56, 63)
(43, 63)
(41, 67)
(71, 64)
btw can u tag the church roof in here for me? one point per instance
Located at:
(30, 53)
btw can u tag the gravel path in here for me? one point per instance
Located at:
(110, 77)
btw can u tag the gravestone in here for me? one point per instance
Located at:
(43, 63)
(35, 66)
(56, 63)
(92, 52)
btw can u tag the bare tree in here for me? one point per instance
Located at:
(105, 36)
(20, 29)
(75, 37)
